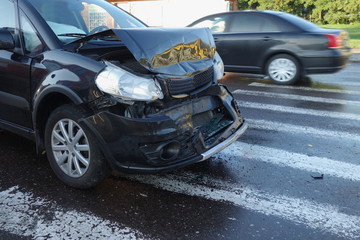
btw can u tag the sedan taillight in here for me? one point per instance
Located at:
(334, 40)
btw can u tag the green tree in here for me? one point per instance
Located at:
(319, 11)
(290, 6)
(245, 4)
(328, 11)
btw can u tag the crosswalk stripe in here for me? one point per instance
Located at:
(257, 84)
(351, 83)
(284, 158)
(24, 215)
(296, 97)
(294, 110)
(324, 217)
(290, 128)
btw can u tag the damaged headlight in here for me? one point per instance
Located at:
(123, 84)
(218, 67)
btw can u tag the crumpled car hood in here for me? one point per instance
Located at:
(173, 51)
(170, 51)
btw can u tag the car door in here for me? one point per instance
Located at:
(247, 40)
(15, 86)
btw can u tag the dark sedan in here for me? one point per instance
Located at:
(280, 45)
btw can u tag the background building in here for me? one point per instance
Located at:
(172, 13)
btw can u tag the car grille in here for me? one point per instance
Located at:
(187, 85)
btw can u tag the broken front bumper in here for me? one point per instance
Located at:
(189, 131)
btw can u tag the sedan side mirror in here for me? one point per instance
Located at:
(6, 40)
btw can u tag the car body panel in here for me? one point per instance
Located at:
(231, 47)
(15, 88)
(178, 52)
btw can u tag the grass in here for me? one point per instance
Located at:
(353, 30)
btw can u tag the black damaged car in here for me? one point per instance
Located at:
(99, 91)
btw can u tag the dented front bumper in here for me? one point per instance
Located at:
(189, 131)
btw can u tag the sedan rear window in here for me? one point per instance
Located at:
(299, 22)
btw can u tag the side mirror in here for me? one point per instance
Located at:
(6, 40)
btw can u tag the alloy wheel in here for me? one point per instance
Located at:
(282, 70)
(70, 147)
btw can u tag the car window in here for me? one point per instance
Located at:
(7, 15)
(246, 23)
(269, 26)
(299, 22)
(32, 41)
(96, 17)
(82, 17)
(216, 24)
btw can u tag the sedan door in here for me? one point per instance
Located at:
(248, 39)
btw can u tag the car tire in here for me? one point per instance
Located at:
(283, 69)
(72, 149)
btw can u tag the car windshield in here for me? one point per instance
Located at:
(73, 19)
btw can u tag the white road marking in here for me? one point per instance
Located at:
(256, 84)
(328, 167)
(314, 215)
(290, 128)
(297, 97)
(24, 215)
(350, 83)
(294, 110)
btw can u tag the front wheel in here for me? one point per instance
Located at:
(283, 69)
(72, 149)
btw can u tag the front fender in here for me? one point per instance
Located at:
(56, 89)
(57, 78)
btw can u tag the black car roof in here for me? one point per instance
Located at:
(294, 20)
(249, 11)
(269, 12)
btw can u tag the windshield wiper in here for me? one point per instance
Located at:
(72, 35)
(107, 35)
(105, 38)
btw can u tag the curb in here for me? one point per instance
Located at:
(355, 55)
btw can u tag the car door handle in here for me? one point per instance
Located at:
(267, 38)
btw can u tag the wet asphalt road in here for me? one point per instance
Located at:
(293, 175)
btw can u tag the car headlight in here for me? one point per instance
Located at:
(125, 85)
(218, 67)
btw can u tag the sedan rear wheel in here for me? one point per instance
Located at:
(72, 149)
(283, 69)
